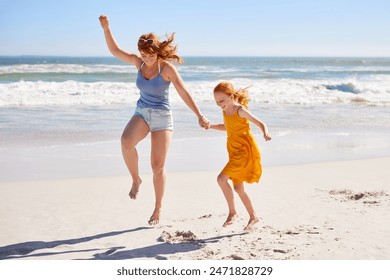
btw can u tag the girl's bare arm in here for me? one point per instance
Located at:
(244, 113)
(220, 126)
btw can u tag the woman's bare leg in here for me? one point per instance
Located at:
(160, 144)
(135, 131)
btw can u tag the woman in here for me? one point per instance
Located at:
(153, 113)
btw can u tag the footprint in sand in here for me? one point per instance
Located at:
(368, 198)
(206, 216)
(177, 237)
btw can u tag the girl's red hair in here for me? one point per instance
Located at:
(241, 95)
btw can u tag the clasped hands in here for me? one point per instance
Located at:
(204, 122)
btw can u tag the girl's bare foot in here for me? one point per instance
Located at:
(230, 219)
(251, 223)
(135, 188)
(155, 218)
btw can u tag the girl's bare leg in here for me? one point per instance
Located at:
(160, 144)
(135, 131)
(253, 219)
(229, 196)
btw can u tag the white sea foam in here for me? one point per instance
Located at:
(206, 69)
(335, 69)
(372, 91)
(66, 93)
(65, 68)
(202, 69)
(100, 68)
(375, 91)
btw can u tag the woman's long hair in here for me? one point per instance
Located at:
(165, 50)
(240, 95)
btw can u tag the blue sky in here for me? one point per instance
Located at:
(203, 27)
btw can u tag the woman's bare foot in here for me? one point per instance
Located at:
(135, 188)
(251, 223)
(230, 219)
(155, 218)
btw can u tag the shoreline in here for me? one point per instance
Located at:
(310, 211)
(199, 152)
(148, 171)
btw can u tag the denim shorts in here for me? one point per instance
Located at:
(156, 119)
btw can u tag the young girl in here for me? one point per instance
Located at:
(244, 156)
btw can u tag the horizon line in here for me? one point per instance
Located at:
(257, 56)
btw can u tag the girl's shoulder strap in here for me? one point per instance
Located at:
(242, 108)
(239, 108)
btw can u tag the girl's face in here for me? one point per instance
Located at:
(224, 101)
(149, 59)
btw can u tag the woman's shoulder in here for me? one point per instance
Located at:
(167, 65)
(168, 70)
(138, 61)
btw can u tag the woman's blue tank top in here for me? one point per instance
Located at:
(154, 93)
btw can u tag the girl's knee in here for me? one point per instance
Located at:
(222, 178)
(239, 188)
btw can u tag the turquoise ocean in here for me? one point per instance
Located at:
(63, 116)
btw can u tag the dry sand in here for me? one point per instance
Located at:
(331, 210)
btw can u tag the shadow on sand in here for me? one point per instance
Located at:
(21, 250)
(159, 250)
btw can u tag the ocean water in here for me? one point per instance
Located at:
(63, 116)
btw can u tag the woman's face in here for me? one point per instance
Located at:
(149, 59)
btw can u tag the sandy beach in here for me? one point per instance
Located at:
(332, 210)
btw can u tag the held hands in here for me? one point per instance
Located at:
(204, 122)
(104, 22)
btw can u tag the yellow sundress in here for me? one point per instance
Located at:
(244, 154)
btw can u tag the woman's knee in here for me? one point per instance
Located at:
(135, 131)
(158, 167)
(126, 141)
(129, 139)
